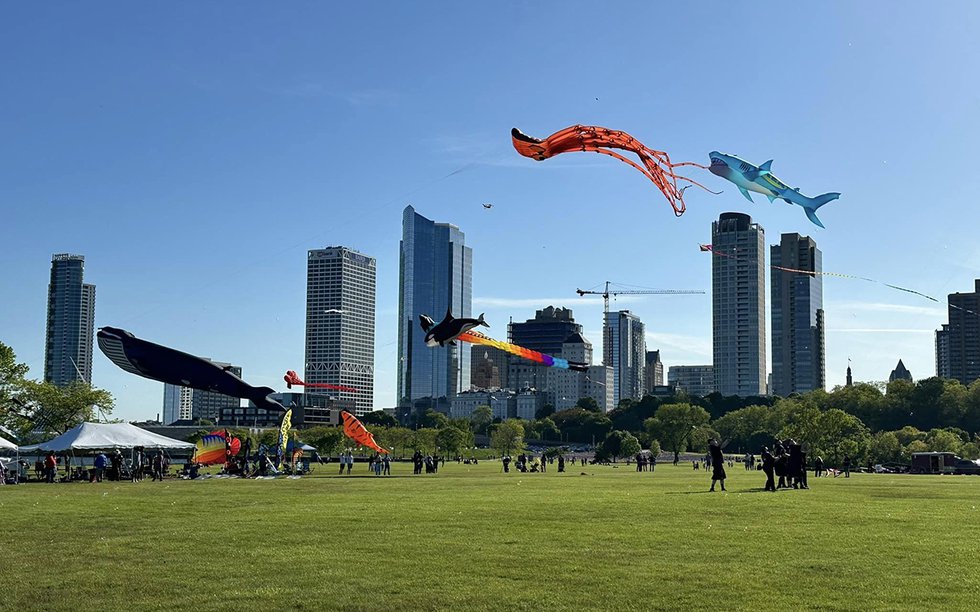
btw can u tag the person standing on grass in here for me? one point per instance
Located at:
(386, 462)
(768, 466)
(818, 467)
(847, 466)
(100, 462)
(158, 466)
(717, 464)
(50, 467)
(350, 461)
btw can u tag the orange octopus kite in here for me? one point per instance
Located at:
(656, 164)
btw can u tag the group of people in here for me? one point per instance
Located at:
(429, 462)
(788, 462)
(380, 464)
(645, 462)
(532, 464)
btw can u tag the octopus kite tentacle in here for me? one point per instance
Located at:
(656, 165)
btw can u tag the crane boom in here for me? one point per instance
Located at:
(605, 294)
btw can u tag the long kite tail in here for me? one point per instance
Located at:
(526, 353)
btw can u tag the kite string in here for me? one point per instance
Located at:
(710, 248)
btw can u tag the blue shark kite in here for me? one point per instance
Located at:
(760, 180)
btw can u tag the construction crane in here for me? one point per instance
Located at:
(605, 294)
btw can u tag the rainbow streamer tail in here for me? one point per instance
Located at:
(542, 358)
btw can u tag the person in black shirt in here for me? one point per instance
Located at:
(717, 464)
(768, 466)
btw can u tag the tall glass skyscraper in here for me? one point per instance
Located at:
(738, 305)
(797, 317)
(624, 350)
(435, 275)
(958, 343)
(340, 317)
(71, 322)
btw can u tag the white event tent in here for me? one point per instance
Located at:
(7, 445)
(107, 436)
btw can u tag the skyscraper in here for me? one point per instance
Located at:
(545, 333)
(738, 305)
(435, 275)
(797, 317)
(340, 298)
(624, 350)
(71, 322)
(698, 380)
(653, 373)
(958, 343)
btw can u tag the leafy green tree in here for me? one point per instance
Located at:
(544, 411)
(548, 430)
(588, 403)
(399, 440)
(654, 448)
(481, 418)
(379, 418)
(673, 425)
(451, 441)
(433, 420)
(507, 437)
(885, 448)
(943, 441)
(50, 408)
(908, 434)
(611, 447)
(327, 440)
(424, 440)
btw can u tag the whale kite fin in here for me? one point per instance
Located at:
(746, 194)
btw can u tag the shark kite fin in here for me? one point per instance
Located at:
(746, 194)
(764, 168)
(812, 216)
(772, 198)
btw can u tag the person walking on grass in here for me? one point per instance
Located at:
(50, 467)
(717, 464)
(768, 467)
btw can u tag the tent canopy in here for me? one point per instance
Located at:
(7, 445)
(107, 436)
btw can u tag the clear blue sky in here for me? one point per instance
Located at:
(194, 151)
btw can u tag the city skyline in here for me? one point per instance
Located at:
(261, 151)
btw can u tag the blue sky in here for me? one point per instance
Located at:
(193, 152)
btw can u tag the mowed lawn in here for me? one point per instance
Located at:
(474, 538)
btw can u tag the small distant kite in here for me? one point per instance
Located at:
(760, 180)
(488, 206)
(462, 330)
(656, 164)
(292, 378)
(355, 430)
(168, 365)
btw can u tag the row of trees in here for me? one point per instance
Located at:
(32, 410)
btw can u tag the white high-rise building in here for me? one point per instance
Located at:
(177, 403)
(340, 309)
(738, 305)
(624, 350)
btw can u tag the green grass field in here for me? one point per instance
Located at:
(474, 538)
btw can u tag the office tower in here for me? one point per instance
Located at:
(958, 343)
(177, 403)
(545, 333)
(435, 275)
(900, 373)
(71, 322)
(624, 350)
(488, 367)
(738, 305)
(797, 317)
(183, 403)
(653, 372)
(340, 298)
(696, 380)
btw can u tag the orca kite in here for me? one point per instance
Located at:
(448, 329)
